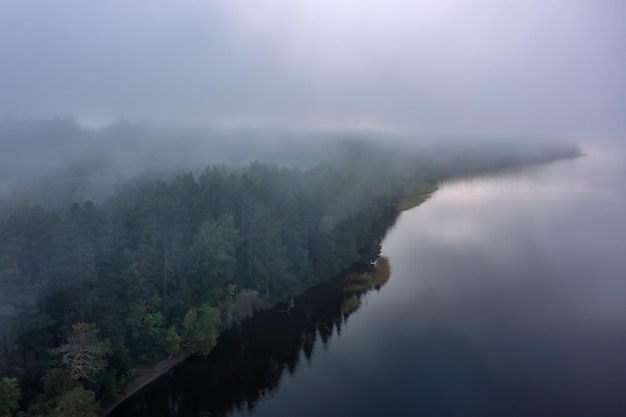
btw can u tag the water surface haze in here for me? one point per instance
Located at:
(507, 297)
(508, 292)
(294, 128)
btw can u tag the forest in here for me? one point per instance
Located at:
(94, 284)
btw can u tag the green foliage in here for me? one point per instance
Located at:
(77, 402)
(191, 318)
(10, 394)
(167, 263)
(56, 382)
(172, 341)
(190, 251)
(120, 360)
(127, 377)
(135, 318)
(229, 293)
(153, 323)
(202, 327)
(212, 259)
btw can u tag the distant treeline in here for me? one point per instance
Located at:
(53, 162)
(89, 292)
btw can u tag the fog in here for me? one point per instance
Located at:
(448, 68)
(506, 297)
(164, 163)
(54, 162)
(120, 90)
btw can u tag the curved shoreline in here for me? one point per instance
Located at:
(149, 373)
(348, 285)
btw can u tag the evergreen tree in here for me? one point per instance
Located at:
(10, 393)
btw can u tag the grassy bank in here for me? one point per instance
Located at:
(417, 196)
(354, 286)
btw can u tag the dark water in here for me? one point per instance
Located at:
(507, 297)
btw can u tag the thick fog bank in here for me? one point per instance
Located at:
(57, 161)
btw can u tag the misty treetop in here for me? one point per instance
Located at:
(166, 265)
(89, 291)
(53, 162)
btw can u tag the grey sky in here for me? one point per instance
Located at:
(548, 67)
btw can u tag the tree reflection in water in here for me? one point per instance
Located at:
(248, 362)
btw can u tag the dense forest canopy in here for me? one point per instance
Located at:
(122, 245)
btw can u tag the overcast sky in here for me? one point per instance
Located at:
(547, 67)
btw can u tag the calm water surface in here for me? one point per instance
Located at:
(507, 298)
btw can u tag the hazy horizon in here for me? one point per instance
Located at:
(550, 68)
(167, 169)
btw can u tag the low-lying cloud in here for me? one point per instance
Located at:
(447, 67)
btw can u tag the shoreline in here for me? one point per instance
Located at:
(149, 373)
(420, 193)
(145, 376)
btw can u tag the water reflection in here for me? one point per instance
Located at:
(249, 362)
(526, 272)
(508, 298)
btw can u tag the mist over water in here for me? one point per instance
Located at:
(507, 297)
(507, 293)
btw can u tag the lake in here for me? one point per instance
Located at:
(507, 297)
